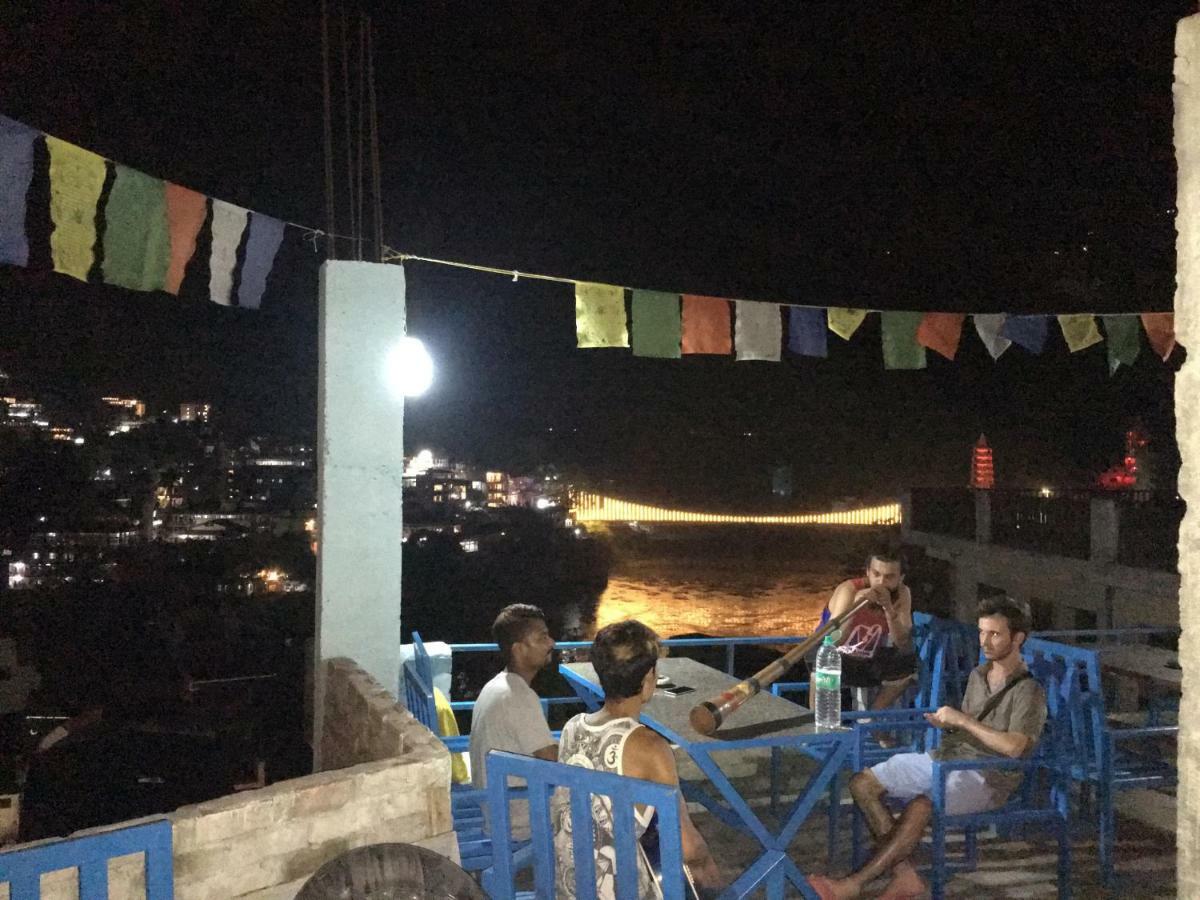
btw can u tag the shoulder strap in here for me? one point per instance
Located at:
(994, 700)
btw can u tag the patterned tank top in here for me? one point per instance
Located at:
(599, 747)
(866, 632)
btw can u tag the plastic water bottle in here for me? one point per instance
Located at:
(827, 686)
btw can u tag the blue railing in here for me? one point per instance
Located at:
(22, 869)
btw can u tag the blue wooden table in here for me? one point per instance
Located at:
(764, 721)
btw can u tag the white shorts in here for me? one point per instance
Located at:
(908, 775)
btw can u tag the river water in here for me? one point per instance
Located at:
(731, 583)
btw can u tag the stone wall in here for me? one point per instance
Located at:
(1187, 389)
(362, 722)
(264, 844)
(1126, 595)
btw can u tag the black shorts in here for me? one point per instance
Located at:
(888, 664)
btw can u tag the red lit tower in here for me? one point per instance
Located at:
(983, 473)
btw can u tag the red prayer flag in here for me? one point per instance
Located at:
(185, 216)
(1160, 331)
(941, 332)
(706, 325)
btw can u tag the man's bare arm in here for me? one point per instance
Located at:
(1012, 744)
(648, 756)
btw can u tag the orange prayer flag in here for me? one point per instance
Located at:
(185, 216)
(706, 325)
(941, 332)
(1160, 331)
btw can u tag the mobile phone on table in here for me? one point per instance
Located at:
(676, 689)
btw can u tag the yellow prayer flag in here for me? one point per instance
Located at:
(844, 322)
(76, 179)
(1080, 331)
(600, 315)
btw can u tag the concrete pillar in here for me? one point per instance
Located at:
(983, 517)
(1105, 525)
(359, 476)
(1187, 388)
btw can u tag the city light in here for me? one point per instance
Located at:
(597, 508)
(409, 368)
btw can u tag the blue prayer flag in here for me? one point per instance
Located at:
(808, 332)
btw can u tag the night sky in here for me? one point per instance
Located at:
(1009, 157)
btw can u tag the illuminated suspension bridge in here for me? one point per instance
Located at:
(589, 507)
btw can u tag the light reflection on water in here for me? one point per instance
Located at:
(680, 596)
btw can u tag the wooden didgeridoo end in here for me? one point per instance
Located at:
(705, 718)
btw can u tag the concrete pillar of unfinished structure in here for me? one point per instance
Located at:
(1187, 389)
(360, 463)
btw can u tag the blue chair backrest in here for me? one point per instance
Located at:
(580, 786)
(418, 693)
(421, 658)
(948, 651)
(1074, 696)
(23, 868)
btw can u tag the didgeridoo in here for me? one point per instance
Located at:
(706, 717)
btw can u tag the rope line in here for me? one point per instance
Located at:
(398, 256)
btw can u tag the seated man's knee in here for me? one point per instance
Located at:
(921, 805)
(865, 786)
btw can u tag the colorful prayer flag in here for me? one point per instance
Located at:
(988, 327)
(76, 180)
(186, 210)
(808, 332)
(757, 330)
(228, 223)
(16, 172)
(844, 321)
(1160, 331)
(706, 324)
(136, 244)
(941, 332)
(656, 324)
(266, 234)
(1026, 331)
(600, 315)
(900, 347)
(1079, 331)
(1123, 342)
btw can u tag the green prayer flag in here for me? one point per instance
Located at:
(137, 246)
(656, 324)
(900, 347)
(1124, 344)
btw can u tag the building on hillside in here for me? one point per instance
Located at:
(195, 412)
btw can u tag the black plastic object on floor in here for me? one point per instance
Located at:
(390, 872)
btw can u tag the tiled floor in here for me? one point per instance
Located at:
(1008, 868)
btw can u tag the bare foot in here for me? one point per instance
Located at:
(906, 884)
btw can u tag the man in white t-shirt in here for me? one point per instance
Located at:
(508, 714)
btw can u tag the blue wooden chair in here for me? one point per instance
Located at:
(581, 785)
(466, 803)
(1100, 758)
(22, 869)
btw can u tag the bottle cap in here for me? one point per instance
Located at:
(828, 642)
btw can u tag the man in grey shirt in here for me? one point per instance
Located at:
(1003, 714)
(508, 714)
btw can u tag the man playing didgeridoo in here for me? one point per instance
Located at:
(876, 643)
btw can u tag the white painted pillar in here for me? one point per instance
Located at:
(1187, 389)
(359, 476)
